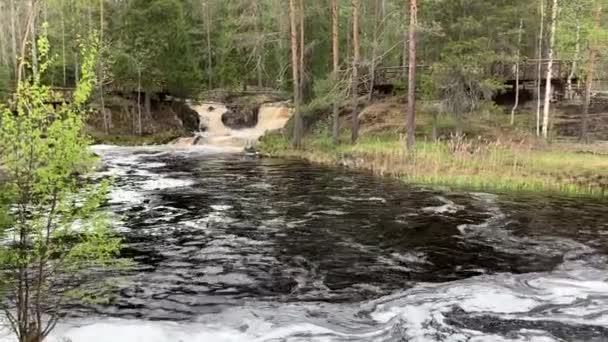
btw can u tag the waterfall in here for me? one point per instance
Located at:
(212, 131)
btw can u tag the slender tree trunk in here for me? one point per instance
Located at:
(597, 17)
(15, 53)
(283, 25)
(76, 69)
(577, 50)
(374, 49)
(208, 33)
(335, 21)
(297, 131)
(355, 73)
(540, 65)
(30, 15)
(404, 58)
(147, 105)
(258, 46)
(106, 119)
(3, 44)
(34, 43)
(139, 123)
(516, 104)
(302, 52)
(411, 79)
(63, 56)
(547, 108)
(89, 18)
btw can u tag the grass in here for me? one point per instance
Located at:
(476, 164)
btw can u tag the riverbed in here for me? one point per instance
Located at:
(233, 248)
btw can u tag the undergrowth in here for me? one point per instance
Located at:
(476, 164)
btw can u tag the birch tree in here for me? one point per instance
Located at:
(540, 65)
(517, 62)
(547, 109)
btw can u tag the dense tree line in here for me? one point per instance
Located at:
(183, 47)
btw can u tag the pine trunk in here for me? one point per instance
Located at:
(404, 58)
(355, 73)
(34, 43)
(63, 56)
(597, 17)
(139, 121)
(547, 109)
(577, 50)
(3, 52)
(258, 46)
(297, 131)
(208, 17)
(302, 70)
(15, 53)
(335, 19)
(107, 119)
(372, 73)
(411, 79)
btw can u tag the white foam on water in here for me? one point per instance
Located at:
(449, 207)
(121, 196)
(162, 183)
(331, 212)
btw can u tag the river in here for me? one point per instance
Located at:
(231, 248)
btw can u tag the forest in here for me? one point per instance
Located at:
(472, 69)
(264, 170)
(184, 47)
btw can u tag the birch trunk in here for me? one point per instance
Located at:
(335, 23)
(516, 104)
(547, 108)
(540, 65)
(411, 79)
(355, 73)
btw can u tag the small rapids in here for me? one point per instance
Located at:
(212, 131)
(231, 248)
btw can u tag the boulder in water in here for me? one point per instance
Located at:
(251, 151)
(238, 117)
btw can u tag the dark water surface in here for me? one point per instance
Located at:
(236, 249)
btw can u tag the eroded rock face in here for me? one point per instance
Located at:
(238, 117)
(188, 116)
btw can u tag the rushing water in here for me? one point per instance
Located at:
(229, 248)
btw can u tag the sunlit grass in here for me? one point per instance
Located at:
(472, 164)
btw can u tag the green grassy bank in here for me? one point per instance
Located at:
(478, 164)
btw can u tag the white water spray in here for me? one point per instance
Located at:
(271, 116)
